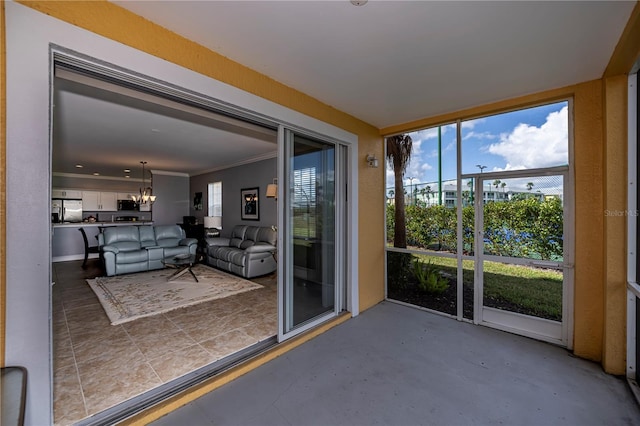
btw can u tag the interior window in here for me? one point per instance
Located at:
(215, 199)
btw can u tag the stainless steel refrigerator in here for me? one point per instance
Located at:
(66, 210)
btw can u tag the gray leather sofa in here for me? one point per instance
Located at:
(249, 252)
(127, 249)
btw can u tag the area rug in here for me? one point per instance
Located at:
(129, 297)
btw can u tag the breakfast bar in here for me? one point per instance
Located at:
(67, 243)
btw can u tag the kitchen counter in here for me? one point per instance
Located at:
(67, 243)
(88, 224)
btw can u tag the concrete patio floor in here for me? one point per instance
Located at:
(395, 365)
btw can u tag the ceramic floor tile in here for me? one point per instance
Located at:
(177, 363)
(78, 292)
(78, 303)
(204, 331)
(155, 345)
(156, 325)
(62, 352)
(262, 329)
(228, 343)
(94, 335)
(117, 346)
(187, 316)
(91, 316)
(68, 402)
(102, 391)
(241, 319)
(113, 363)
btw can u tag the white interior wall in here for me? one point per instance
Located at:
(29, 35)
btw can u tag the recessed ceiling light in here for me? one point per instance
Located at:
(155, 130)
(358, 2)
(127, 176)
(96, 174)
(79, 166)
(127, 171)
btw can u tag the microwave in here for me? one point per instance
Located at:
(127, 205)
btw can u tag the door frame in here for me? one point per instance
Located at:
(343, 165)
(526, 325)
(633, 288)
(28, 79)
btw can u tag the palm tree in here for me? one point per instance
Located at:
(470, 185)
(503, 184)
(399, 149)
(529, 186)
(497, 183)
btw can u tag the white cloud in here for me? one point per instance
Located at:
(426, 166)
(470, 124)
(532, 147)
(481, 135)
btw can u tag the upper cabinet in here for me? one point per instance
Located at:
(125, 196)
(65, 193)
(99, 201)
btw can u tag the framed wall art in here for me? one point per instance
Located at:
(250, 204)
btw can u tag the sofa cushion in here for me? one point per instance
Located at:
(168, 235)
(237, 236)
(125, 238)
(147, 236)
(267, 235)
(135, 256)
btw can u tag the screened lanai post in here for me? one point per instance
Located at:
(399, 149)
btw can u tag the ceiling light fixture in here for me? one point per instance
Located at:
(145, 192)
(358, 2)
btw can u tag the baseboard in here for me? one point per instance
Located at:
(72, 257)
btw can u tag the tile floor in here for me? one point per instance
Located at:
(97, 365)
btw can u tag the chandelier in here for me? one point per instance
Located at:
(145, 192)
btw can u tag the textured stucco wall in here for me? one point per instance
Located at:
(615, 224)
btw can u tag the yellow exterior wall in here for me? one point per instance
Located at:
(615, 224)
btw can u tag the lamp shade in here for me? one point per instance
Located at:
(213, 221)
(272, 190)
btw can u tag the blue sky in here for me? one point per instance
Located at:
(531, 138)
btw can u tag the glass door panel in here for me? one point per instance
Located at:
(310, 282)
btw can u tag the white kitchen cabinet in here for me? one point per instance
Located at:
(99, 201)
(125, 195)
(65, 193)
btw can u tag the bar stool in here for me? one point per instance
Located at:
(87, 249)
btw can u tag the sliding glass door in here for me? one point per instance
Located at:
(312, 274)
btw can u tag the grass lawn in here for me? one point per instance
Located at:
(524, 289)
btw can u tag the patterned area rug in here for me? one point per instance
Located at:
(129, 297)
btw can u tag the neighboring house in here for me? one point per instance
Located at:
(107, 32)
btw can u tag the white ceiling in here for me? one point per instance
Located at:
(108, 128)
(386, 63)
(391, 62)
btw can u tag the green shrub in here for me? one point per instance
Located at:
(398, 269)
(429, 280)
